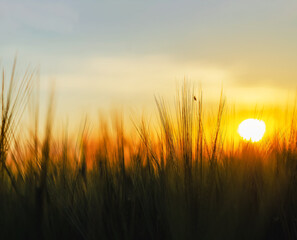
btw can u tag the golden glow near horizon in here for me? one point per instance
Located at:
(252, 129)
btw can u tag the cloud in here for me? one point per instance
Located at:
(53, 16)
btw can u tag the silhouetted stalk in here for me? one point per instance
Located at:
(200, 138)
(120, 151)
(145, 135)
(65, 157)
(217, 132)
(185, 123)
(83, 149)
(13, 104)
(151, 158)
(167, 134)
(41, 191)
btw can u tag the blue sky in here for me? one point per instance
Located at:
(105, 53)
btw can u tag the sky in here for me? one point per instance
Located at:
(102, 54)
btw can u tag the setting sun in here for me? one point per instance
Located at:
(252, 130)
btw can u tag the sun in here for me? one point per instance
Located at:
(252, 129)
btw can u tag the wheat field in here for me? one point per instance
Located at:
(181, 179)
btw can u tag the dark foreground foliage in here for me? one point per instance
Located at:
(173, 185)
